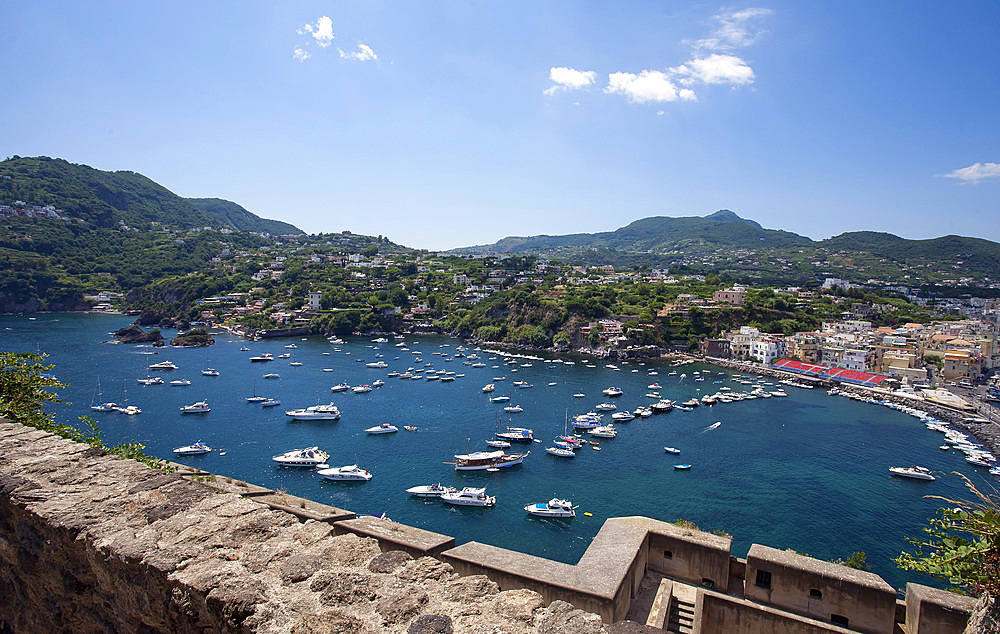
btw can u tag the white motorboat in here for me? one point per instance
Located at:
(673, 450)
(513, 409)
(489, 387)
(643, 412)
(604, 431)
(482, 460)
(693, 402)
(261, 358)
(653, 386)
(271, 402)
(589, 420)
(103, 407)
(193, 449)
(210, 372)
(606, 407)
(553, 508)
(435, 490)
(378, 383)
(469, 496)
(377, 364)
(285, 355)
(918, 473)
(308, 457)
(578, 395)
(500, 399)
(340, 387)
(384, 428)
(201, 407)
(291, 346)
(623, 416)
(362, 389)
(516, 434)
(347, 472)
(561, 452)
(163, 365)
(181, 382)
(272, 375)
(499, 444)
(256, 398)
(662, 405)
(613, 391)
(151, 380)
(315, 412)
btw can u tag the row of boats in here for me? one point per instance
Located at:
(473, 496)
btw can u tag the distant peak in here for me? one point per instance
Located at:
(729, 216)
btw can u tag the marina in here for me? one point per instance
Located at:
(809, 471)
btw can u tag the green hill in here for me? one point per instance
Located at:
(110, 199)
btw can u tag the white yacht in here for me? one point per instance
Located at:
(193, 449)
(606, 407)
(270, 402)
(513, 409)
(553, 508)
(308, 457)
(489, 387)
(201, 407)
(163, 365)
(469, 496)
(362, 389)
(516, 434)
(561, 452)
(919, 473)
(347, 472)
(377, 364)
(435, 490)
(181, 382)
(210, 372)
(340, 387)
(151, 380)
(384, 428)
(484, 460)
(613, 391)
(315, 412)
(604, 431)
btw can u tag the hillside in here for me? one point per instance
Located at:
(109, 199)
(660, 234)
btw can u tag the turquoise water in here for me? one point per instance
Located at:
(807, 472)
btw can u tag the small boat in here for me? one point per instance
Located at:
(918, 473)
(308, 457)
(210, 372)
(653, 386)
(151, 380)
(612, 391)
(561, 452)
(606, 407)
(489, 387)
(201, 407)
(513, 409)
(663, 405)
(431, 490)
(481, 460)
(604, 431)
(500, 399)
(671, 450)
(270, 402)
(682, 467)
(378, 383)
(578, 395)
(347, 472)
(340, 387)
(469, 496)
(410, 428)
(377, 364)
(244, 349)
(163, 365)
(272, 375)
(261, 358)
(384, 428)
(193, 449)
(295, 363)
(623, 416)
(516, 434)
(181, 382)
(553, 508)
(362, 389)
(291, 346)
(256, 398)
(692, 403)
(499, 444)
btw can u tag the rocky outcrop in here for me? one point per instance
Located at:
(90, 542)
(135, 334)
(197, 337)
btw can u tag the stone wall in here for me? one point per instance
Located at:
(90, 542)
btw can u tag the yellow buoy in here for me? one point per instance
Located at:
(589, 514)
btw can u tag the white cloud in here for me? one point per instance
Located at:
(322, 31)
(569, 79)
(649, 85)
(975, 173)
(300, 55)
(736, 29)
(363, 54)
(715, 69)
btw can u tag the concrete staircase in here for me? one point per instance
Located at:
(680, 618)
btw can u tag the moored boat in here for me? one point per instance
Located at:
(516, 434)
(347, 472)
(192, 449)
(384, 428)
(482, 460)
(469, 496)
(308, 457)
(315, 412)
(915, 472)
(561, 452)
(201, 407)
(431, 490)
(553, 508)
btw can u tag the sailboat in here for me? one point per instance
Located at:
(98, 404)
(125, 408)
(255, 398)
(209, 371)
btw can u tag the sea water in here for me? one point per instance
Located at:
(808, 472)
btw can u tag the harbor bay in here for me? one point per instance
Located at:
(807, 472)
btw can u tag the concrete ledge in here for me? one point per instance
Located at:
(226, 484)
(394, 536)
(660, 611)
(714, 612)
(303, 508)
(933, 610)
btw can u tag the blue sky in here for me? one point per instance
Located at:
(443, 123)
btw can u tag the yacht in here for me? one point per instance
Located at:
(308, 457)
(270, 402)
(604, 431)
(623, 416)
(181, 382)
(553, 508)
(561, 452)
(261, 358)
(482, 460)
(613, 391)
(469, 496)
(693, 402)
(918, 473)
(500, 399)
(362, 389)
(315, 412)
(672, 450)
(272, 375)
(340, 387)
(210, 372)
(499, 444)
(201, 407)
(193, 449)
(516, 434)
(513, 409)
(377, 364)
(384, 428)
(431, 490)
(163, 365)
(606, 407)
(663, 405)
(347, 472)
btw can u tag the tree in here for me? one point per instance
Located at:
(962, 544)
(24, 388)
